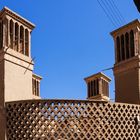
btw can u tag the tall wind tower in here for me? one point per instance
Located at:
(127, 62)
(17, 81)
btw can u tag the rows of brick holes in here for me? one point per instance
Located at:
(71, 120)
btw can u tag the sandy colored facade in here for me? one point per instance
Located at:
(15, 53)
(127, 63)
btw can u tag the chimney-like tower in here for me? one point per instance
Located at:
(127, 63)
(16, 64)
(98, 87)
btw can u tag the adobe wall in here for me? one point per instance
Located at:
(18, 77)
(127, 87)
(72, 120)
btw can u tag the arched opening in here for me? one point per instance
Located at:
(33, 88)
(97, 86)
(122, 48)
(94, 88)
(6, 32)
(37, 88)
(89, 87)
(11, 34)
(127, 45)
(118, 49)
(92, 85)
(21, 49)
(16, 37)
(132, 43)
(26, 42)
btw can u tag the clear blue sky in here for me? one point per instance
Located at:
(70, 42)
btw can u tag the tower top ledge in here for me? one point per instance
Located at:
(14, 15)
(94, 76)
(130, 25)
(37, 76)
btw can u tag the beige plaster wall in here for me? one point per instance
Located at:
(127, 86)
(18, 80)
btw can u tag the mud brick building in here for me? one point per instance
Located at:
(25, 116)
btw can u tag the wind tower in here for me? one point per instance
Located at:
(127, 63)
(16, 64)
(98, 87)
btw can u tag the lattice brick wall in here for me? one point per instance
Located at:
(71, 120)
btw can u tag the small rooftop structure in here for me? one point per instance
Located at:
(36, 79)
(98, 87)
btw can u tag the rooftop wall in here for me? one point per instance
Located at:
(71, 120)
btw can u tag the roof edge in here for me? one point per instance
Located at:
(99, 73)
(17, 16)
(124, 26)
(37, 76)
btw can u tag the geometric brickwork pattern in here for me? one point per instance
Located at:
(71, 120)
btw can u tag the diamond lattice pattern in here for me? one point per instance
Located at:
(71, 120)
